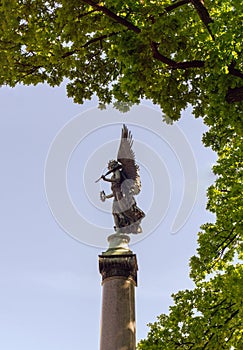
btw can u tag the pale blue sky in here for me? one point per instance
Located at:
(50, 284)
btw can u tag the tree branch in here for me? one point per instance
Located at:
(113, 16)
(100, 38)
(232, 316)
(219, 304)
(220, 250)
(234, 95)
(157, 55)
(154, 46)
(176, 5)
(219, 326)
(173, 64)
(91, 41)
(203, 14)
(207, 342)
(170, 8)
(86, 14)
(232, 333)
(234, 71)
(30, 72)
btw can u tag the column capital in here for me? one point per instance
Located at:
(118, 266)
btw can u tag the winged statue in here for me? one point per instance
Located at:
(125, 184)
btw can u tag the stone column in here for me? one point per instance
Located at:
(119, 278)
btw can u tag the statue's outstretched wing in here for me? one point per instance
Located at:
(126, 157)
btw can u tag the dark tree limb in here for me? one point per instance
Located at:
(234, 95)
(113, 16)
(157, 55)
(227, 238)
(100, 38)
(203, 14)
(170, 8)
(86, 14)
(207, 342)
(89, 42)
(29, 72)
(173, 64)
(232, 316)
(176, 5)
(234, 71)
(219, 304)
(154, 46)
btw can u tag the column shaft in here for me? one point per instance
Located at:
(118, 326)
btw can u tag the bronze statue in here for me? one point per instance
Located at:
(125, 184)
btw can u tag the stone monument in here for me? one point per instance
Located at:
(118, 264)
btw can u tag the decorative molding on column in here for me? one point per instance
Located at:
(118, 266)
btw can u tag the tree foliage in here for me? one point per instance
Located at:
(210, 316)
(174, 53)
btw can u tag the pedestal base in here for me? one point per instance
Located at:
(118, 245)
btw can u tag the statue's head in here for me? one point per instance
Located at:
(112, 164)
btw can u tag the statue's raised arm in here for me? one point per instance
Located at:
(125, 183)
